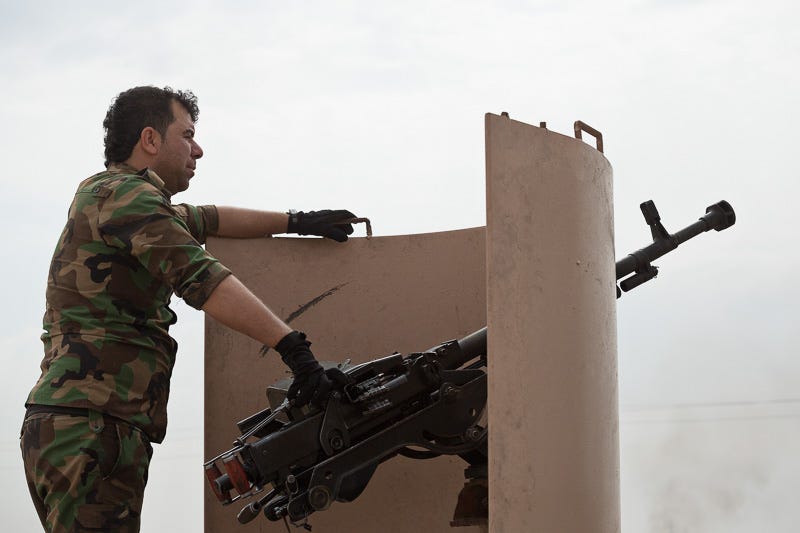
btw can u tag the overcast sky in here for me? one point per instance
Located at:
(378, 107)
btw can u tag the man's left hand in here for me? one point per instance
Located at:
(333, 224)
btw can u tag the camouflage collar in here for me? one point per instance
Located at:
(145, 173)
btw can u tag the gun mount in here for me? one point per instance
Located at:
(294, 462)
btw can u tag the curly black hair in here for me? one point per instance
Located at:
(135, 109)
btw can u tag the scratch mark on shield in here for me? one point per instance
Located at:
(303, 308)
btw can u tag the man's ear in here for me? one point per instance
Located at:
(150, 140)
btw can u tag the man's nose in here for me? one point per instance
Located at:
(197, 152)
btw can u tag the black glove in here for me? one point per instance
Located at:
(326, 223)
(311, 384)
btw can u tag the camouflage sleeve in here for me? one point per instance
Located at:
(140, 221)
(202, 221)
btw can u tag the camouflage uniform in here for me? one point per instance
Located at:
(108, 355)
(85, 473)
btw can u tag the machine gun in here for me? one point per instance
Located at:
(420, 406)
(294, 462)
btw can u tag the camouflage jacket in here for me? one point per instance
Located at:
(123, 252)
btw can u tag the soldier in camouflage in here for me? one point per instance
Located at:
(124, 251)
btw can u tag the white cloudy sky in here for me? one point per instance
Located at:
(378, 107)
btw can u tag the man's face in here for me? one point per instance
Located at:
(178, 154)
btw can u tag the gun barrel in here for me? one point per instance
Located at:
(455, 354)
(474, 344)
(718, 217)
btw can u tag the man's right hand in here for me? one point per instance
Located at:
(311, 383)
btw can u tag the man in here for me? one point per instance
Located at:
(102, 396)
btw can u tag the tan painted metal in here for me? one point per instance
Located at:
(553, 443)
(554, 453)
(385, 294)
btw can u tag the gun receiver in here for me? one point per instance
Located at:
(718, 217)
(420, 406)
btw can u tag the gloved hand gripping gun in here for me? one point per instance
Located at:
(420, 406)
(429, 401)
